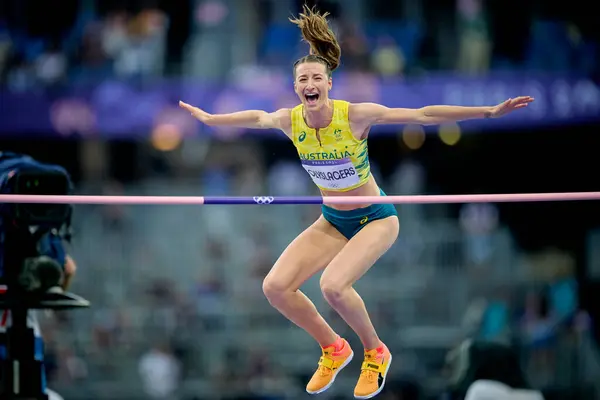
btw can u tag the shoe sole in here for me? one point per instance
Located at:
(324, 388)
(375, 393)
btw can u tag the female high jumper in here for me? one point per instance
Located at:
(345, 241)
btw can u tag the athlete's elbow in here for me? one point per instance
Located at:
(425, 118)
(425, 121)
(430, 121)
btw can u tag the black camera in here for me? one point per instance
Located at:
(31, 244)
(32, 259)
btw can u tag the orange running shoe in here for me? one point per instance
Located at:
(330, 364)
(373, 372)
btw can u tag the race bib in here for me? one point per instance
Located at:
(332, 174)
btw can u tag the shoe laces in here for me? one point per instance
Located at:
(324, 371)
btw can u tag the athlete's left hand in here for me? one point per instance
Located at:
(510, 105)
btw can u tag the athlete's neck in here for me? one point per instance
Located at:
(320, 118)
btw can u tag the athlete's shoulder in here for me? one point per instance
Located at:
(341, 111)
(282, 119)
(296, 113)
(296, 121)
(342, 103)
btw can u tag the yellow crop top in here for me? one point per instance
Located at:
(339, 162)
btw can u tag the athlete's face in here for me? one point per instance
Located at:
(312, 85)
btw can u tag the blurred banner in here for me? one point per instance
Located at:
(118, 109)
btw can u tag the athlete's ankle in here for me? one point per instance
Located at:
(380, 348)
(338, 344)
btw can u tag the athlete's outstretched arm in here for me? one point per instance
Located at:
(250, 119)
(376, 114)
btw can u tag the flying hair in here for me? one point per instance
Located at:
(324, 47)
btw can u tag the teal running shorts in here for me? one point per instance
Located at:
(350, 222)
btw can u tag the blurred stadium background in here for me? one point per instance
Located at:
(178, 311)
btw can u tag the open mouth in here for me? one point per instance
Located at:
(312, 98)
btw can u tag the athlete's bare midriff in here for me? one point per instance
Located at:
(370, 188)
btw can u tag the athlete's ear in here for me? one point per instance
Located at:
(330, 83)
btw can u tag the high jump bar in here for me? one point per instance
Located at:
(332, 200)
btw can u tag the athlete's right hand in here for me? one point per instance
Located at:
(196, 112)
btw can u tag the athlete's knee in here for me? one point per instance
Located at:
(274, 289)
(332, 290)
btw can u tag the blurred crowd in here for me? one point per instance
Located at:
(91, 40)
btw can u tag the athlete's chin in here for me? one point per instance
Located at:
(313, 106)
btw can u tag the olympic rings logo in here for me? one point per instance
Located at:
(263, 199)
